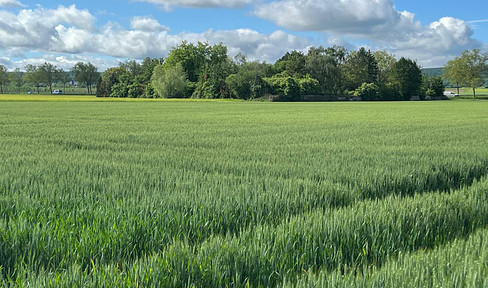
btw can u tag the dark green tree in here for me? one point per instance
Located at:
(360, 67)
(292, 63)
(432, 87)
(247, 82)
(217, 67)
(406, 78)
(191, 57)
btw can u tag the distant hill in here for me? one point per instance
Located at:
(437, 72)
(433, 72)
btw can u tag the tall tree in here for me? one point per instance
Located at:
(191, 57)
(406, 77)
(360, 67)
(48, 74)
(4, 80)
(34, 76)
(85, 73)
(292, 63)
(17, 78)
(63, 77)
(385, 62)
(455, 71)
(324, 65)
(247, 82)
(468, 69)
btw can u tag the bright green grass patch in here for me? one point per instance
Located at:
(89, 190)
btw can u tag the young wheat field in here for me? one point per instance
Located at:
(243, 194)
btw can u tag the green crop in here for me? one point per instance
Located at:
(162, 193)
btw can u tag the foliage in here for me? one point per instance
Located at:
(191, 57)
(324, 65)
(49, 74)
(291, 64)
(33, 75)
(130, 79)
(309, 86)
(247, 82)
(469, 69)
(332, 73)
(360, 67)
(170, 82)
(385, 62)
(367, 92)
(217, 67)
(286, 88)
(406, 77)
(432, 87)
(85, 73)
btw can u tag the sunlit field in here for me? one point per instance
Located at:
(235, 194)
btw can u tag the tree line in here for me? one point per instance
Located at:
(47, 74)
(206, 71)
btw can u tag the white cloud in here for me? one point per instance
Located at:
(351, 17)
(36, 29)
(168, 4)
(68, 30)
(10, 4)
(376, 22)
(435, 44)
(147, 24)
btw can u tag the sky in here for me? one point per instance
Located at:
(106, 32)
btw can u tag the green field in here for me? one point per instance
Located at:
(236, 194)
(467, 93)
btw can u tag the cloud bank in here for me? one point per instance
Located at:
(376, 21)
(71, 33)
(66, 34)
(169, 4)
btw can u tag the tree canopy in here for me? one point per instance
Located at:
(469, 69)
(85, 73)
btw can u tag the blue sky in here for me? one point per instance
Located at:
(109, 31)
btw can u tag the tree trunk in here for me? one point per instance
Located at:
(458, 89)
(474, 92)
